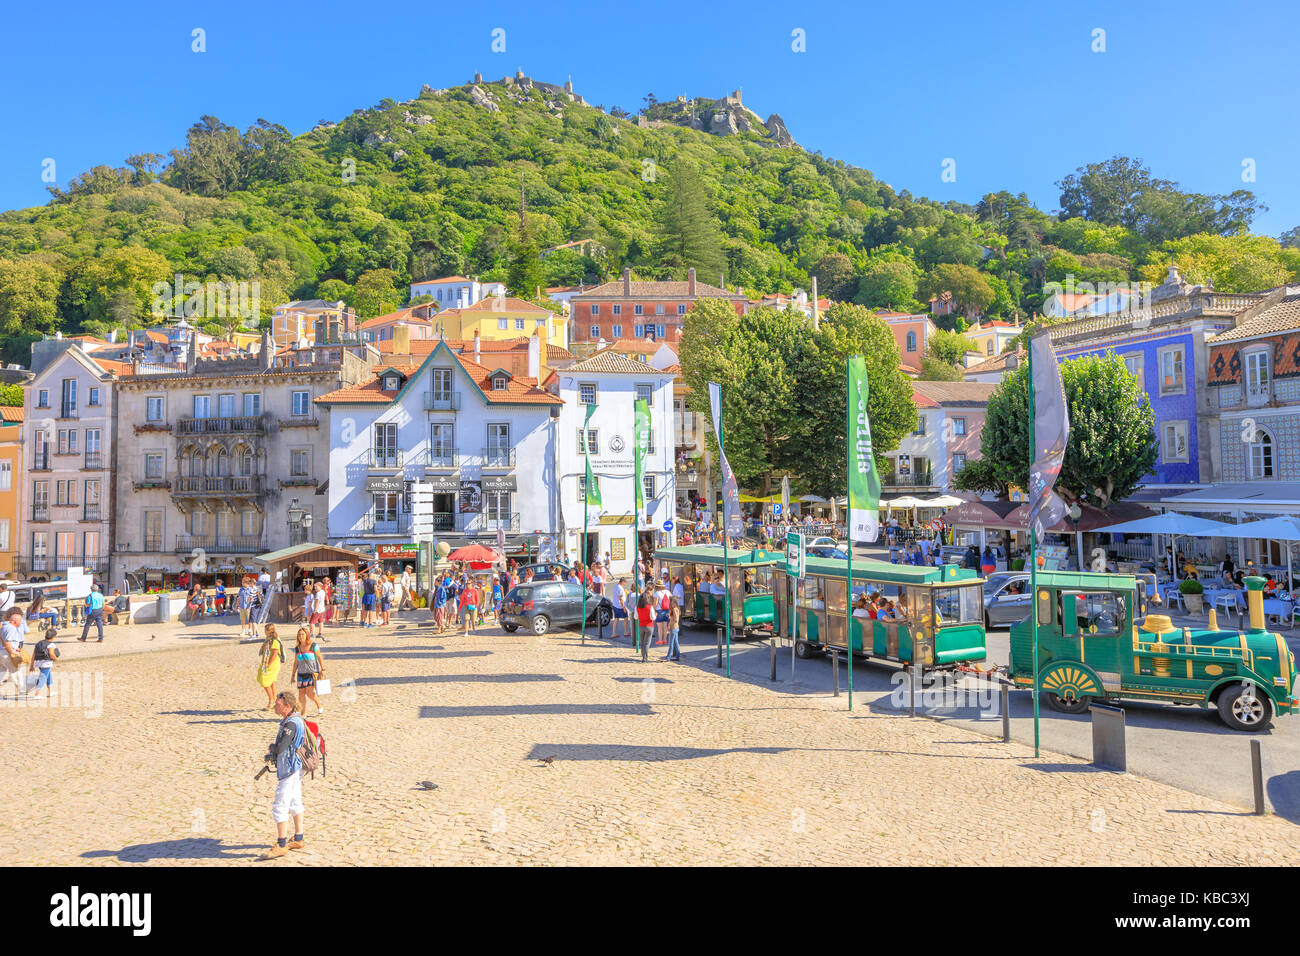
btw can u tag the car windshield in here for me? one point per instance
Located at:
(994, 582)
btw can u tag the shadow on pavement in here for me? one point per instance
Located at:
(520, 710)
(1283, 793)
(205, 848)
(343, 654)
(643, 680)
(1066, 768)
(458, 679)
(633, 752)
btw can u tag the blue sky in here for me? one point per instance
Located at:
(1013, 93)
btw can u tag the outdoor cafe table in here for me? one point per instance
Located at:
(1227, 598)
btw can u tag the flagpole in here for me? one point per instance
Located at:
(726, 570)
(848, 506)
(1033, 548)
(586, 495)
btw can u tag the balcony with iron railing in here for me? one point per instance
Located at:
(237, 425)
(41, 461)
(498, 456)
(94, 459)
(387, 459)
(442, 456)
(370, 524)
(208, 486)
(30, 564)
(41, 512)
(923, 480)
(219, 544)
(441, 401)
(91, 513)
(447, 522)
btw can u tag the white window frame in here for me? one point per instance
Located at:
(959, 426)
(253, 399)
(1181, 361)
(1137, 359)
(595, 331)
(295, 454)
(1253, 471)
(1260, 361)
(162, 466)
(1175, 458)
(616, 331)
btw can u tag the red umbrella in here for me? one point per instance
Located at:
(475, 554)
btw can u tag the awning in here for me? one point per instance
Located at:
(1172, 523)
(1091, 519)
(1278, 497)
(982, 514)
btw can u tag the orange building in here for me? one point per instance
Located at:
(11, 487)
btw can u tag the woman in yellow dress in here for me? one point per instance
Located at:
(268, 668)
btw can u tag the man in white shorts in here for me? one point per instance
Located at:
(288, 768)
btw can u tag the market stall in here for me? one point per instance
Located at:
(290, 567)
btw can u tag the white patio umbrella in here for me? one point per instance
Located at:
(1173, 524)
(1282, 528)
(944, 501)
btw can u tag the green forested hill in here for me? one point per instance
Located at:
(357, 209)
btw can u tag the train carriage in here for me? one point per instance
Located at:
(944, 624)
(748, 579)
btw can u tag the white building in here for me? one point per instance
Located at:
(613, 382)
(68, 444)
(483, 438)
(457, 292)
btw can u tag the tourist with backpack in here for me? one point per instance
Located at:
(310, 667)
(269, 661)
(294, 750)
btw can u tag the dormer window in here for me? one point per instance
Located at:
(392, 383)
(499, 383)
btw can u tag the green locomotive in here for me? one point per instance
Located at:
(1091, 647)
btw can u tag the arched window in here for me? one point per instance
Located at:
(222, 462)
(1261, 454)
(911, 341)
(245, 461)
(196, 464)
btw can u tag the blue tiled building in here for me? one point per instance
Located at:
(1164, 346)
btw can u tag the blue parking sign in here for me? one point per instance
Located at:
(776, 509)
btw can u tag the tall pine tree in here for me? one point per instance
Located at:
(687, 233)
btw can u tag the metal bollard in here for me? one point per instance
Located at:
(835, 670)
(1108, 747)
(719, 647)
(1006, 714)
(911, 697)
(1257, 775)
(772, 645)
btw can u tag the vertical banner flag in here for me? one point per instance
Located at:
(641, 443)
(730, 489)
(593, 490)
(1051, 436)
(864, 482)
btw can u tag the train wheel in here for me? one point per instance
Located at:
(803, 650)
(1245, 707)
(1066, 705)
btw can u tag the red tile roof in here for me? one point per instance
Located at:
(520, 390)
(11, 413)
(443, 279)
(505, 304)
(112, 367)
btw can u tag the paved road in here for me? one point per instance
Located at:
(1184, 746)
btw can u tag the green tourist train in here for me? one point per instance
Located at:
(1091, 646)
(748, 578)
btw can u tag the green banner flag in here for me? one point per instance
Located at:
(864, 482)
(641, 439)
(593, 489)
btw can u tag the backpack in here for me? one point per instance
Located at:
(312, 749)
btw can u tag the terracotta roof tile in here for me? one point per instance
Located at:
(11, 413)
(998, 363)
(657, 290)
(505, 304)
(955, 393)
(1284, 316)
(609, 360)
(112, 367)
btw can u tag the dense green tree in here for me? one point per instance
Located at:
(888, 285)
(375, 293)
(686, 230)
(11, 395)
(950, 347)
(935, 369)
(819, 402)
(525, 276)
(1113, 442)
(753, 358)
(1230, 263)
(969, 287)
(836, 278)
(980, 476)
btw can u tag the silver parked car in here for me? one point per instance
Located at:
(1006, 598)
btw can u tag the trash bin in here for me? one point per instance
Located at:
(163, 612)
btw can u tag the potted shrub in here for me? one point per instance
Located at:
(1192, 590)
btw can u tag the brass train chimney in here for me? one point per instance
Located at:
(1255, 603)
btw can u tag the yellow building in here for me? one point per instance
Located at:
(498, 318)
(11, 485)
